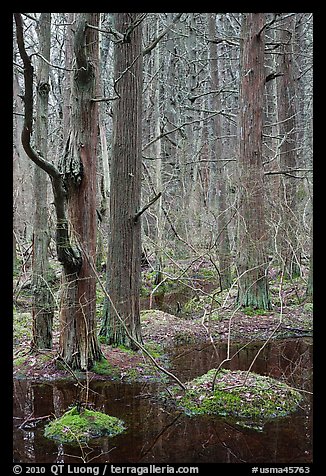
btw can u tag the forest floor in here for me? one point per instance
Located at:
(184, 318)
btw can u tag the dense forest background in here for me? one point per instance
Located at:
(151, 151)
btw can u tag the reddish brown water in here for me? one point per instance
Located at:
(157, 434)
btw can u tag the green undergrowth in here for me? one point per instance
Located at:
(80, 426)
(250, 398)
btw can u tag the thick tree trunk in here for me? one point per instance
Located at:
(43, 302)
(252, 233)
(78, 335)
(124, 256)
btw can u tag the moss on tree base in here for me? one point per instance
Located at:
(76, 427)
(252, 398)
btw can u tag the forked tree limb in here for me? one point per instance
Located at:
(34, 155)
(68, 255)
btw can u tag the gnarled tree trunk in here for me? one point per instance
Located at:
(75, 185)
(78, 335)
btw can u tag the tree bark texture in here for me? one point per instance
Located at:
(78, 336)
(43, 302)
(124, 255)
(252, 233)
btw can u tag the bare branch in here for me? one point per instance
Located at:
(273, 76)
(221, 40)
(27, 15)
(67, 254)
(288, 173)
(110, 31)
(50, 64)
(138, 214)
(152, 45)
(179, 127)
(268, 24)
(104, 99)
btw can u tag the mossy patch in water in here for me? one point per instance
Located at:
(76, 427)
(239, 394)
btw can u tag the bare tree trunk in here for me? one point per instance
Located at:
(43, 302)
(223, 242)
(252, 234)
(124, 256)
(158, 168)
(288, 156)
(79, 345)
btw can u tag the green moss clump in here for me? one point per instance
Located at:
(249, 311)
(238, 394)
(75, 427)
(103, 367)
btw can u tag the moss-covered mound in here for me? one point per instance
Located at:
(76, 427)
(239, 394)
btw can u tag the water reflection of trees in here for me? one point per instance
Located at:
(289, 360)
(157, 434)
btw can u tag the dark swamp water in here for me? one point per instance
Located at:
(158, 434)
